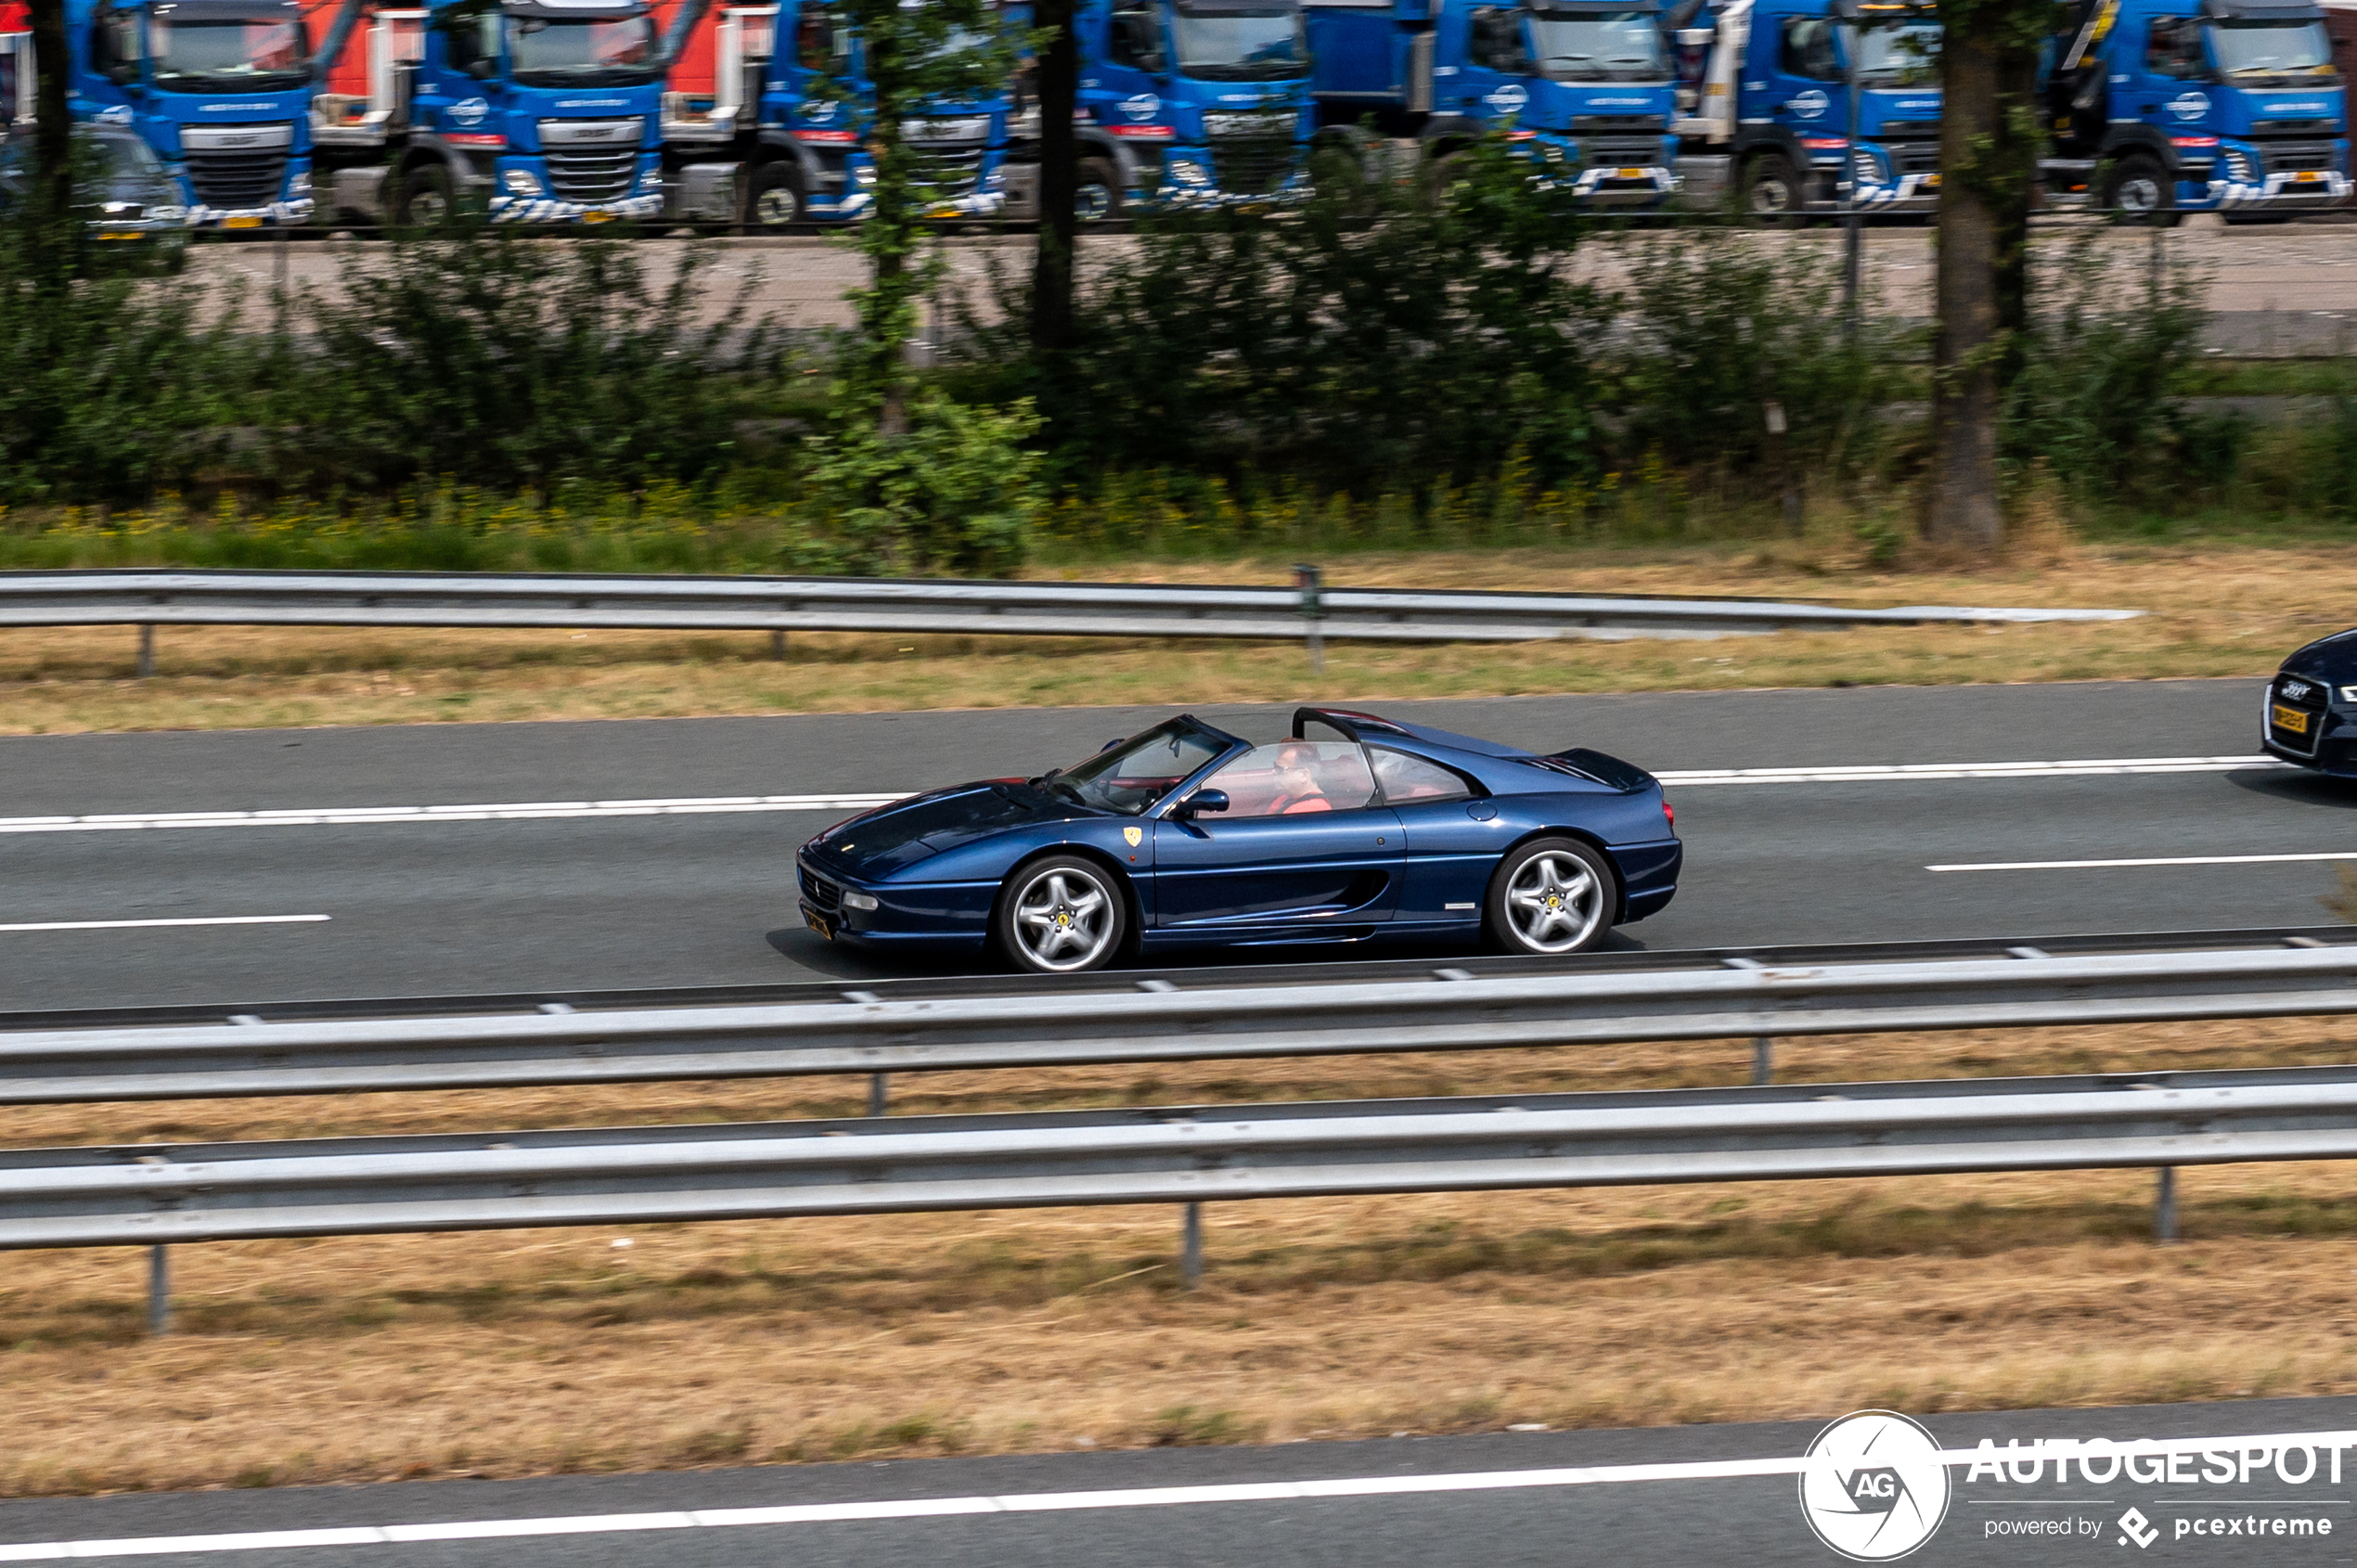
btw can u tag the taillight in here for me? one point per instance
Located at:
(1669, 812)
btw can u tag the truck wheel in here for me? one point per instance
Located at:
(1773, 196)
(2139, 191)
(775, 197)
(1337, 168)
(1096, 191)
(427, 200)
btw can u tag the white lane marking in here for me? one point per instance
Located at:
(2156, 860)
(527, 811)
(194, 921)
(1125, 1497)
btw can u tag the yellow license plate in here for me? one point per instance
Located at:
(821, 927)
(244, 221)
(2308, 179)
(598, 217)
(1630, 173)
(1931, 182)
(119, 234)
(2292, 719)
(941, 212)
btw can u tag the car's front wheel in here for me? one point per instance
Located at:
(1061, 915)
(1551, 896)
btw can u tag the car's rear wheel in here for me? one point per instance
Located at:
(1551, 896)
(1061, 915)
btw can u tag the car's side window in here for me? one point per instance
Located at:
(1296, 778)
(1406, 779)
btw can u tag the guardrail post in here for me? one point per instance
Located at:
(146, 648)
(1190, 1247)
(1308, 579)
(1763, 1059)
(879, 1094)
(159, 1290)
(778, 646)
(2165, 1207)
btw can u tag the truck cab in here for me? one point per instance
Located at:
(2157, 107)
(530, 111)
(1586, 83)
(220, 91)
(1191, 103)
(1773, 87)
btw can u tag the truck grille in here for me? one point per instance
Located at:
(946, 168)
(1913, 158)
(1251, 168)
(233, 179)
(592, 174)
(2280, 157)
(1639, 125)
(1644, 153)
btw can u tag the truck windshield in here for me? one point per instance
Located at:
(2293, 51)
(605, 53)
(1236, 46)
(1899, 57)
(1598, 45)
(229, 55)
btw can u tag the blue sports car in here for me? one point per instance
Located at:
(1349, 829)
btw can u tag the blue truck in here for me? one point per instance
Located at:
(2161, 107)
(526, 110)
(219, 90)
(765, 121)
(1768, 91)
(1586, 83)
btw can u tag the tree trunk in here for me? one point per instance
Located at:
(53, 136)
(1058, 80)
(1968, 340)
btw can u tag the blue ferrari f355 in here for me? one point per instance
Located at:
(1352, 827)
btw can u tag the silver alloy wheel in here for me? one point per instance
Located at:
(1554, 902)
(1065, 920)
(428, 209)
(2139, 195)
(777, 206)
(1771, 197)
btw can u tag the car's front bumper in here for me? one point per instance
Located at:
(951, 916)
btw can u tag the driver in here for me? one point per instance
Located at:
(1297, 788)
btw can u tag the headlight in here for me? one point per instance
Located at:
(861, 900)
(519, 182)
(168, 214)
(1186, 172)
(1865, 168)
(2349, 693)
(864, 177)
(299, 184)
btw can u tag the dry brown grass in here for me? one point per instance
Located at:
(2216, 611)
(537, 1351)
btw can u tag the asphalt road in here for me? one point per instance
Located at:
(620, 901)
(1496, 1515)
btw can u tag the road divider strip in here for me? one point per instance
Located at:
(190, 920)
(1122, 1498)
(2151, 860)
(721, 805)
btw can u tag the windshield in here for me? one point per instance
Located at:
(1899, 57)
(1132, 774)
(128, 157)
(1599, 46)
(1240, 46)
(2296, 50)
(582, 53)
(261, 54)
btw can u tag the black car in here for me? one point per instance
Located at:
(133, 199)
(2311, 712)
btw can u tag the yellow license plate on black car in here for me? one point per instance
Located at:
(244, 220)
(2292, 719)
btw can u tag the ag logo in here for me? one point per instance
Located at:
(822, 111)
(2189, 106)
(1509, 97)
(1133, 836)
(1810, 104)
(1875, 1488)
(468, 112)
(1144, 105)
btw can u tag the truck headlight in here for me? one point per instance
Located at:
(168, 214)
(519, 182)
(863, 902)
(1186, 172)
(864, 177)
(299, 184)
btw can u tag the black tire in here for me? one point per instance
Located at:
(1773, 196)
(1062, 913)
(2138, 192)
(1095, 190)
(428, 198)
(775, 197)
(1337, 168)
(1548, 897)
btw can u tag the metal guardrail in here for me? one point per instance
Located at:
(158, 1194)
(780, 605)
(1272, 1016)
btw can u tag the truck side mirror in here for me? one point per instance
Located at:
(122, 75)
(480, 70)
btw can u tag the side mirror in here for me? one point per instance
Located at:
(480, 70)
(1200, 801)
(122, 75)
(1156, 64)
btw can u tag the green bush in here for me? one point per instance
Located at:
(958, 493)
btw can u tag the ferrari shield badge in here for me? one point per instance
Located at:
(1135, 836)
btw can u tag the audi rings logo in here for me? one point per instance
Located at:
(2295, 691)
(1875, 1488)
